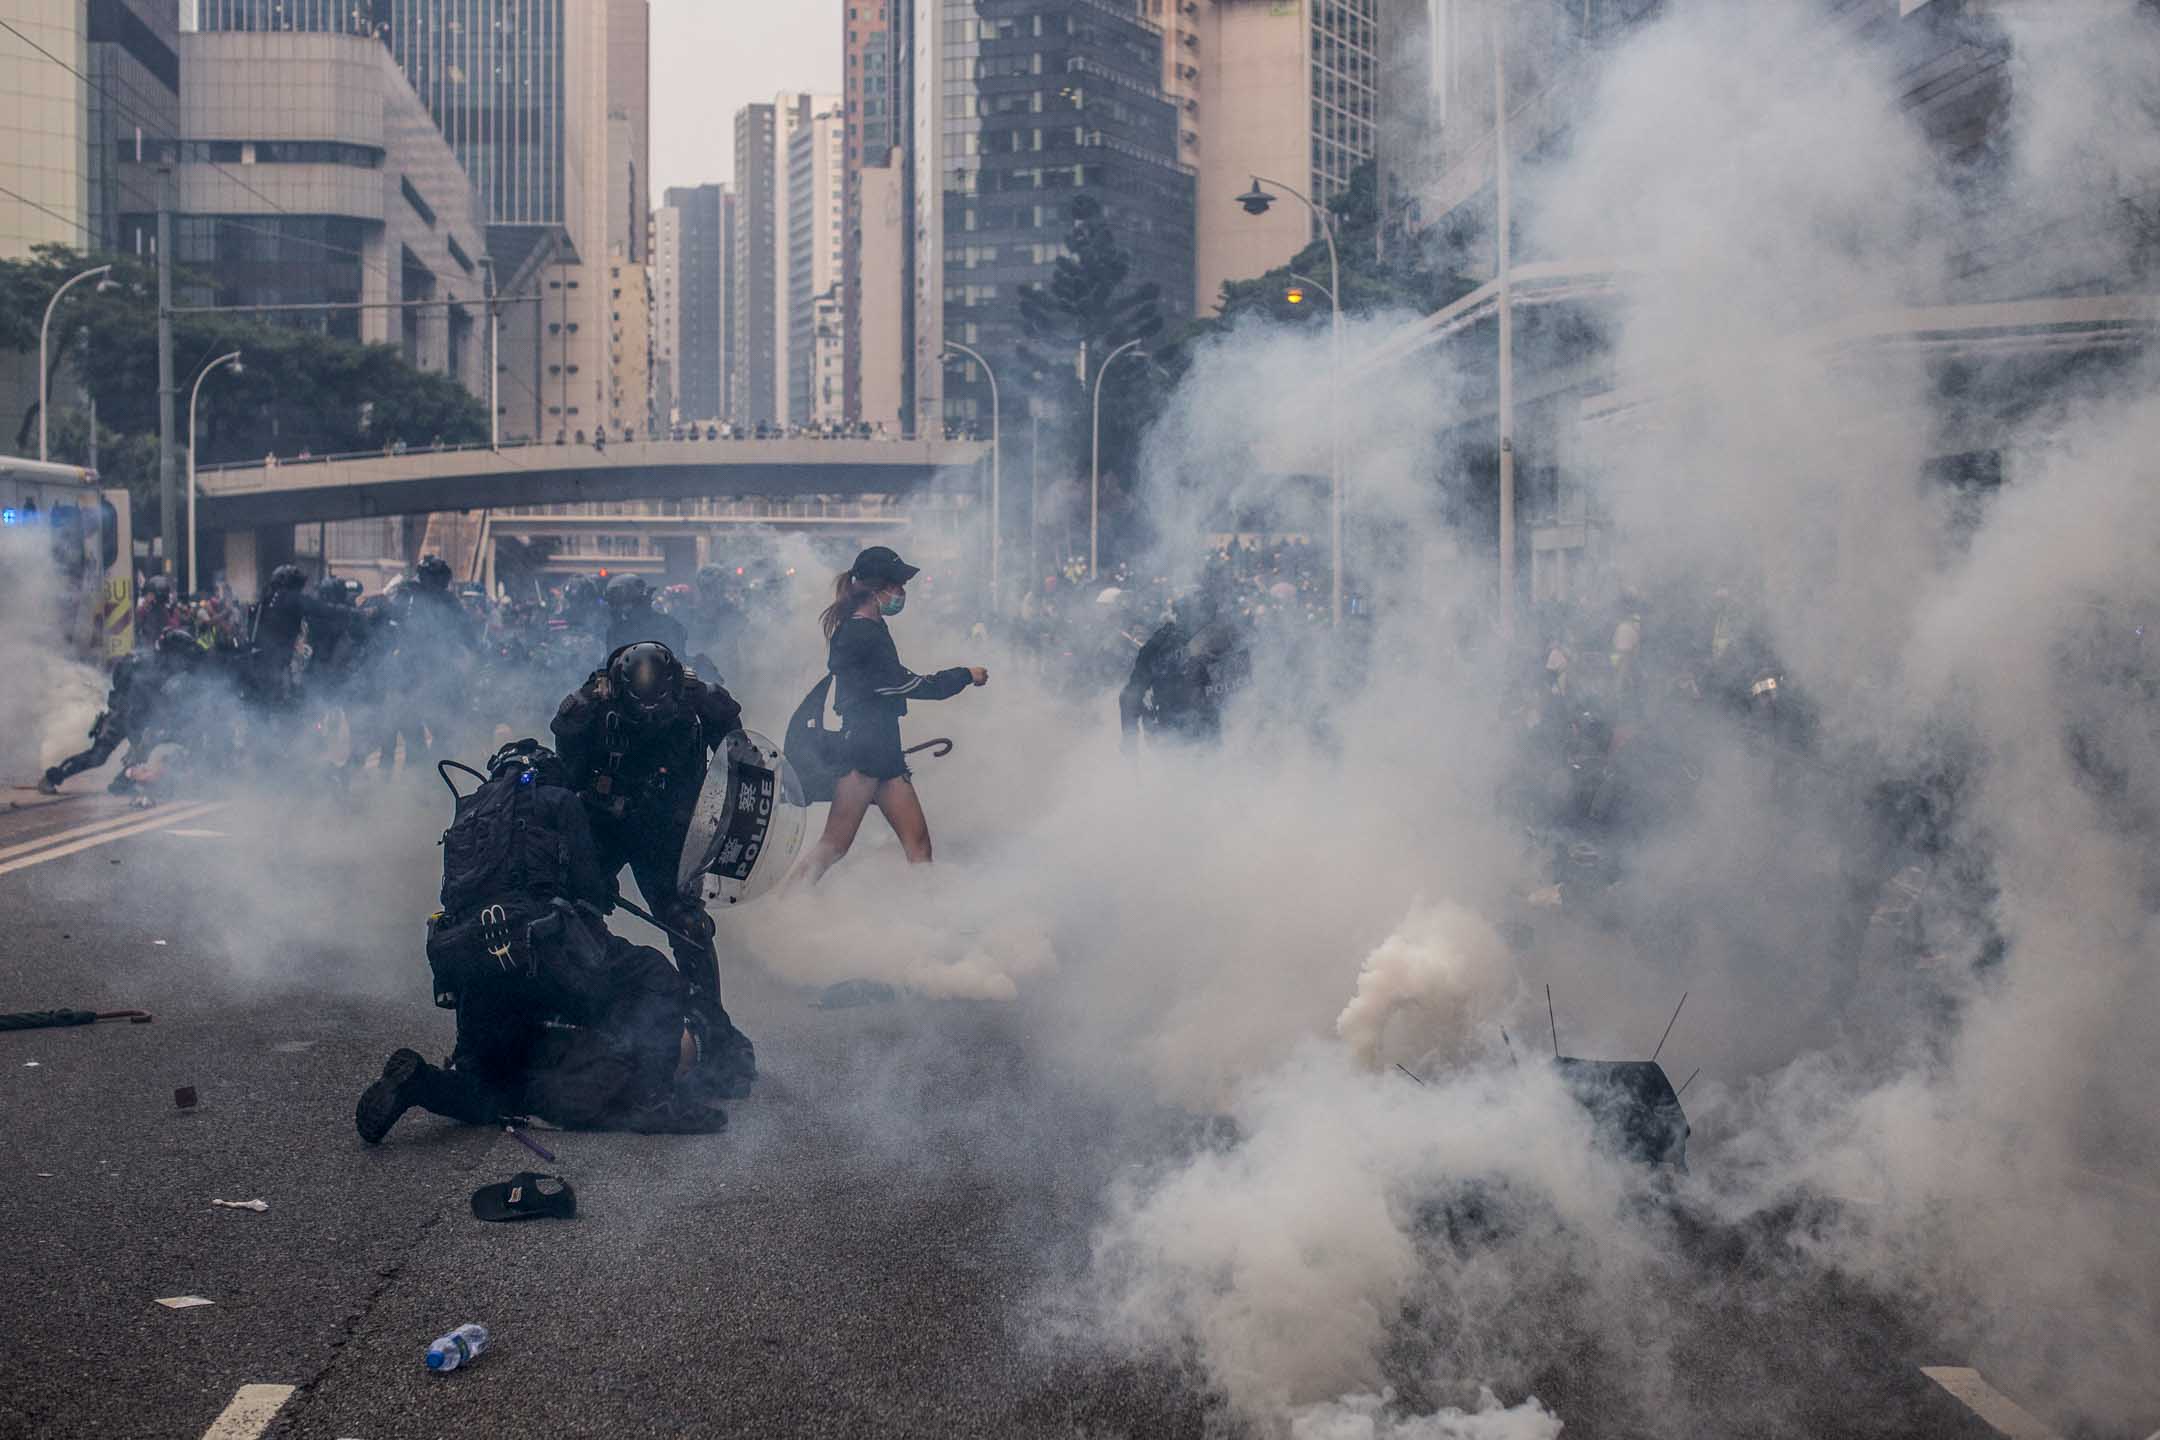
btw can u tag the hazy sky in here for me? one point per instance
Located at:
(711, 57)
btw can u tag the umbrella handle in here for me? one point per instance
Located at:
(938, 748)
(133, 1017)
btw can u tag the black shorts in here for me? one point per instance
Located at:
(870, 744)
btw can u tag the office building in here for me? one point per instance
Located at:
(1017, 107)
(761, 271)
(701, 319)
(817, 158)
(307, 170)
(1287, 89)
(520, 91)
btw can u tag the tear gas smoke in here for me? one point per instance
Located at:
(50, 698)
(1193, 923)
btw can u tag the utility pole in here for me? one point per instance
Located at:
(168, 508)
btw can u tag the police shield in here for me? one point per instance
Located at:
(748, 825)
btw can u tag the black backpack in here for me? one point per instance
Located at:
(504, 842)
(812, 749)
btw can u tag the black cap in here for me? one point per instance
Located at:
(882, 565)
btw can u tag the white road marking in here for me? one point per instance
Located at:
(56, 846)
(200, 834)
(132, 817)
(181, 1302)
(2002, 1413)
(250, 1413)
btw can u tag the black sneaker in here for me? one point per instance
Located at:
(47, 784)
(389, 1097)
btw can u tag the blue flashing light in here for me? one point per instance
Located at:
(12, 516)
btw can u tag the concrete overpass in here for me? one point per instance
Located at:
(245, 514)
(357, 487)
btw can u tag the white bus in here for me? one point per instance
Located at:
(67, 550)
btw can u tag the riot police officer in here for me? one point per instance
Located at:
(556, 1017)
(636, 739)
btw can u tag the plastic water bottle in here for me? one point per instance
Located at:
(461, 1346)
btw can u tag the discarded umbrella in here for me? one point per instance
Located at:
(53, 1019)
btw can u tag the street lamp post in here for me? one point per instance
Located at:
(1311, 284)
(1095, 464)
(1256, 202)
(997, 476)
(44, 380)
(195, 394)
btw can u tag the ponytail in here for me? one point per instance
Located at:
(848, 596)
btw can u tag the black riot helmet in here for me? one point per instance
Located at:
(159, 588)
(579, 591)
(433, 573)
(711, 580)
(336, 590)
(286, 577)
(628, 592)
(534, 763)
(648, 679)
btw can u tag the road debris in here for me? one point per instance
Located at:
(184, 1302)
(184, 1097)
(258, 1206)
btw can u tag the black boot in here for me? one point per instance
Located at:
(49, 783)
(397, 1091)
(726, 1067)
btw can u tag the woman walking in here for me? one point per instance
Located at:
(871, 690)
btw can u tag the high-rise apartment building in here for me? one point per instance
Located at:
(1287, 89)
(630, 394)
(1017, 107)
(817, 163)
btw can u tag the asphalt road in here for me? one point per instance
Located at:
(873, 1247)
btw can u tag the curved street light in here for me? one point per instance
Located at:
(997, 478)
(1295, 297)
(194, 395)
(44, 379)
(1256, 202)
(1095, 463)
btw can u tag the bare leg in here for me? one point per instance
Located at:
(852, 794)
(903, 811)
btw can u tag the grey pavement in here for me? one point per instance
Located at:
(875, 1246)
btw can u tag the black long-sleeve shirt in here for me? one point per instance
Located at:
(868, 678)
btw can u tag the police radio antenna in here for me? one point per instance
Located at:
(1687, 1082)
(1668, 1027)
(1552, 1020)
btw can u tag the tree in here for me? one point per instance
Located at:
(1073, 325)
(1403, 281)
(299, 389)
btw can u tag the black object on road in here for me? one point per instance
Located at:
(525, 1196)
(54, 1019)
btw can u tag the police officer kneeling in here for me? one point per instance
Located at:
(556, 1017)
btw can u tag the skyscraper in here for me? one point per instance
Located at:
(701, 318)
(1018, 106)
(667, 310)
(760, 264)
